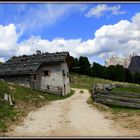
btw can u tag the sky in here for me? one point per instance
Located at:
(95, 30)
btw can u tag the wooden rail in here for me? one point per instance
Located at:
(131, 100)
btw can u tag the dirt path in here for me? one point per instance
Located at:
(69, 117)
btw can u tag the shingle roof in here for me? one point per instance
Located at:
(28, 64)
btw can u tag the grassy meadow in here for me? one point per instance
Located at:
(83, 81)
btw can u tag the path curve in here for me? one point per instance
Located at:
(69, 117)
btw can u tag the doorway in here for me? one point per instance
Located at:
(64, 89)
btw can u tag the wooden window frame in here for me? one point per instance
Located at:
(34, 77)
(48, 87)
(46, 73)
(63, 72)
(67, 74)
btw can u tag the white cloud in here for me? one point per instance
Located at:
(120, 39)
(8, 39)
(59, 44)
(2, 59)
(101, 9)
(43, 15)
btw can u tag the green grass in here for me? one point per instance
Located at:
(54, 97)
(86, 82)
(90, 101)
(25, 100)
(2, 125)
(83, 81)
(127, 89)
(81, 91)
(4, 88)
(6, 114)
(121, 109)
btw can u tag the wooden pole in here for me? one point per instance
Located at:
(10, 100)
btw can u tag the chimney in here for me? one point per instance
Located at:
(38, 52)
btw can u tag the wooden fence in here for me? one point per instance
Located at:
(131, 100)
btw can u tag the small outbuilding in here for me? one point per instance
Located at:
(40, 71)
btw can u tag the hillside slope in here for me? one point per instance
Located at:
(84, 81)
(25, 100)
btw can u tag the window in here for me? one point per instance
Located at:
(63, 72)
(67, 74)
(46, 73)
(48, 87)
(34, 77)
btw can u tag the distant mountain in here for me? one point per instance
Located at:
(131, 62)
(134, 65)
(118, 61)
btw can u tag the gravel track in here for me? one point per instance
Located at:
(68, 117)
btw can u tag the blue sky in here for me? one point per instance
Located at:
(76, 28)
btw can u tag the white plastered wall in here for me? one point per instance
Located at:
(56, 77)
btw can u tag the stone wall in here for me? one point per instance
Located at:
(23, 80)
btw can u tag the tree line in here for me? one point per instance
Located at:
(82, 65)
